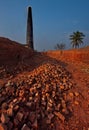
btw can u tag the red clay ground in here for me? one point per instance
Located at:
(77, 63)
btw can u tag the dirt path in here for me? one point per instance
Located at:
(80, 120)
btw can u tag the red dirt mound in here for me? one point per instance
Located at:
(12, 52)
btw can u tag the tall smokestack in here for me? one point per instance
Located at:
(29, 35)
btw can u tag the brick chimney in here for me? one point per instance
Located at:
(29, 35)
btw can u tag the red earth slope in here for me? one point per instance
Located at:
(11, 52)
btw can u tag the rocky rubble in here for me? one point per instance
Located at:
(37, 100)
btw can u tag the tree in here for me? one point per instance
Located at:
(77, 39)
(60, 46)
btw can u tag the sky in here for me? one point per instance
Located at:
(53, 21)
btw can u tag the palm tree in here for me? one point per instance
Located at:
(77, 39)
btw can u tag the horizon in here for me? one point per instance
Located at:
(53, 22)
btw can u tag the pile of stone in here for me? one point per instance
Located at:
(34, 101)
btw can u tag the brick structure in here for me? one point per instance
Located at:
(29, 35)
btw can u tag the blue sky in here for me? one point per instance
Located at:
(53, 21)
